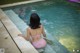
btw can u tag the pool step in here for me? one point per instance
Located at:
(16, 20)
(23, 44)
(13, 31)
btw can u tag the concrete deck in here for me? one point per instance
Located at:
(6, 42)
(14, 40)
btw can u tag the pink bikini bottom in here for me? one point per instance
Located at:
(39, 44)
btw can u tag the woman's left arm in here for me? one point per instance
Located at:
(28, 34)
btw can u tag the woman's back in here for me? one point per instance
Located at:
(36, 33)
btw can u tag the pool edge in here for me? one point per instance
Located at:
(19, 3)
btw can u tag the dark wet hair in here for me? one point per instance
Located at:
(34, 21)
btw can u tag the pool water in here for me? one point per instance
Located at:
(61, 21)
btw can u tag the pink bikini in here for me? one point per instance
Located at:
(40, 43)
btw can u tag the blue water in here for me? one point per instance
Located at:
(61, 21)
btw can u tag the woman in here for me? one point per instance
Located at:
(35, 31)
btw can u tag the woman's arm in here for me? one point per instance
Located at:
(28, 34)
(43, 32)
(22, 36)
(27, 37)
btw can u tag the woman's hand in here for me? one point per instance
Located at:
(20, 35)
(48, 41)
(45, 38)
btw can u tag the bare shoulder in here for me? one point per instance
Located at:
(28, 28)
(41, 26)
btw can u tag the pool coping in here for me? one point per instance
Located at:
(5, 38)
(19, 3)
(14, 31)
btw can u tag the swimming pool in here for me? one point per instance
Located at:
(61, 21)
